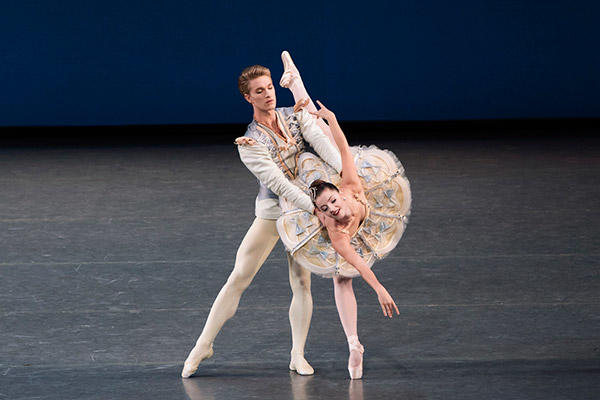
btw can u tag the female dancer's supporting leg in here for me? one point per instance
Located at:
(345, 299)
(253, 251)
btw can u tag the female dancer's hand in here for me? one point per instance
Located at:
(324, 113)
(387, 303)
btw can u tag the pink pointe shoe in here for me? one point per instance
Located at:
(290, 72)
(354, 344)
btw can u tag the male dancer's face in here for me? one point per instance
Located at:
(261, 94)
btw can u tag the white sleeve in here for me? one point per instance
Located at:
(318, 140)
(257, 159)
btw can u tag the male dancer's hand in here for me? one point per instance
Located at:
(301, 104)
(320, 215)
(244, 141)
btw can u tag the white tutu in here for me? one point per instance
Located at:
(388, 195)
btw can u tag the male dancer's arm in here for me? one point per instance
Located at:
(318, 140)
(257, 159)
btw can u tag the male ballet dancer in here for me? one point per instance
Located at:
(269, 149)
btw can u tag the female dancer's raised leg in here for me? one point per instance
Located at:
(291, 80)
(345, 300)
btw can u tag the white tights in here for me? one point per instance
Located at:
(299, 92)
(252, 253)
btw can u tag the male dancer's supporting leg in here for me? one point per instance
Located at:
(300, 316)
(252, 253)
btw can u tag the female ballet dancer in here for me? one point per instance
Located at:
(364, 216)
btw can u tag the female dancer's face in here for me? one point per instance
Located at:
(261, 93)
(331, 204)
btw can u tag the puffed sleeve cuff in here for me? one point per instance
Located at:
(257, 159)
(318, 140)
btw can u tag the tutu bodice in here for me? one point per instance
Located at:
(388, 195)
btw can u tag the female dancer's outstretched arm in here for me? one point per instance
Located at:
(341, 243)
(350, 178)
(341, 240)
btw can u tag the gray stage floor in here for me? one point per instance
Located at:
(111, 257)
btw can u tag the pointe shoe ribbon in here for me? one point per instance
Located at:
(354, 344)
(286, 80)
(289, 70)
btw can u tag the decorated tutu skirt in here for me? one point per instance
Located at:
(389, 200)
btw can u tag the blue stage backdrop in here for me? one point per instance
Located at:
(176, 62)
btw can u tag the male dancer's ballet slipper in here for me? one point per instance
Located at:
(299, 364)
(190, 366)
(354, 344)
(290, 72)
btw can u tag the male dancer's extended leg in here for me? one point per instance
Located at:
(291, 80)
(300, 315)
(252, 253)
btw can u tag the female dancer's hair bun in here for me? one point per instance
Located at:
(317, 187)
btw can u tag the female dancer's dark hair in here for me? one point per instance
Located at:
(317, 186)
